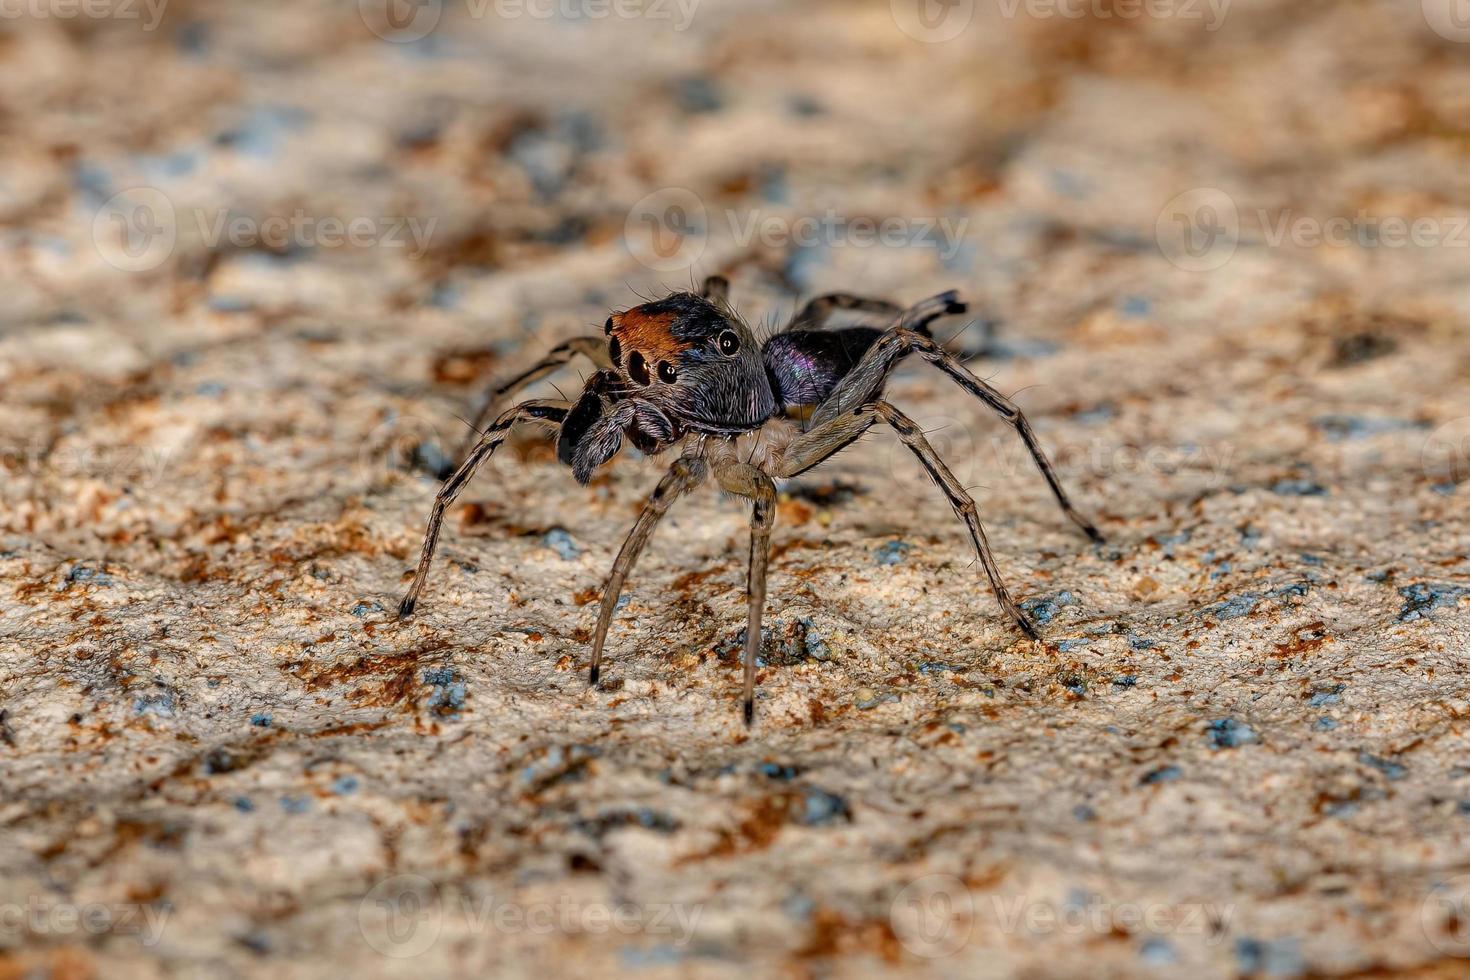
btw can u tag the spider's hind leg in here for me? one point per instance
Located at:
(821, 443)
(863, 385)
(819, 310)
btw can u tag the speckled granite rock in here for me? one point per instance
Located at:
(1240, 749)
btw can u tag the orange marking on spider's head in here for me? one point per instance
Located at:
(652, 336)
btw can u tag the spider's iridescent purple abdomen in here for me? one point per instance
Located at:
(803, 366)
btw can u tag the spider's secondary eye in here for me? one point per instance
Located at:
(607, 327)
(615, 350)
(666, 373)
(638, 368)
(729, 342)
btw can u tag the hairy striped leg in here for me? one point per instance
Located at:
(826, 440)
(546, 412)
(820, 309)
(864, 383)
(593, 348)
(750, 481)
(687, 473)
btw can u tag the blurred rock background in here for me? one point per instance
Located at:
(259, 260)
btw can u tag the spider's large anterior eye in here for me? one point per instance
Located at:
(615, 350)
(638, 368)
(729, 342)
(608, 326)
(666, 373)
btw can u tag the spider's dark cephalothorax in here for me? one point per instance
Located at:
(686, 370)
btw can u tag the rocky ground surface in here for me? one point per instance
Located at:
(1240, 748)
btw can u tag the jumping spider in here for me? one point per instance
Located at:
(685, 369)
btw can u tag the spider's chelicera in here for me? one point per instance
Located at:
(686, 371)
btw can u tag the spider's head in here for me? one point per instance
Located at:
(682, 364)
(694, 361)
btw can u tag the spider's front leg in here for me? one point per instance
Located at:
(593, 348)
(687, 473)
(545, 412)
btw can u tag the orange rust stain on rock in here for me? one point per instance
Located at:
(834, 934)
(756, 831)
(1304, 639)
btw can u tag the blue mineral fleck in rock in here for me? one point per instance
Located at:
(645, 957)
(1135, 306)
(1298, 488)
(1083, 813)
(160, 704)
(261, 719)
(344, 785)
(1326, 724)
(1157, 951)
(1388, 767)
(1421, 598)
(86, 573)
(822, 807)
(1271, 958)
(1043, 609)
(244, 804)
(447, 690)
(892, 552)
(1326, 695)
(295, 804)
(1241, 605)
(559, 541)
(1227, 733)
(364, 608)
(1341, 428)
(1163, 774)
